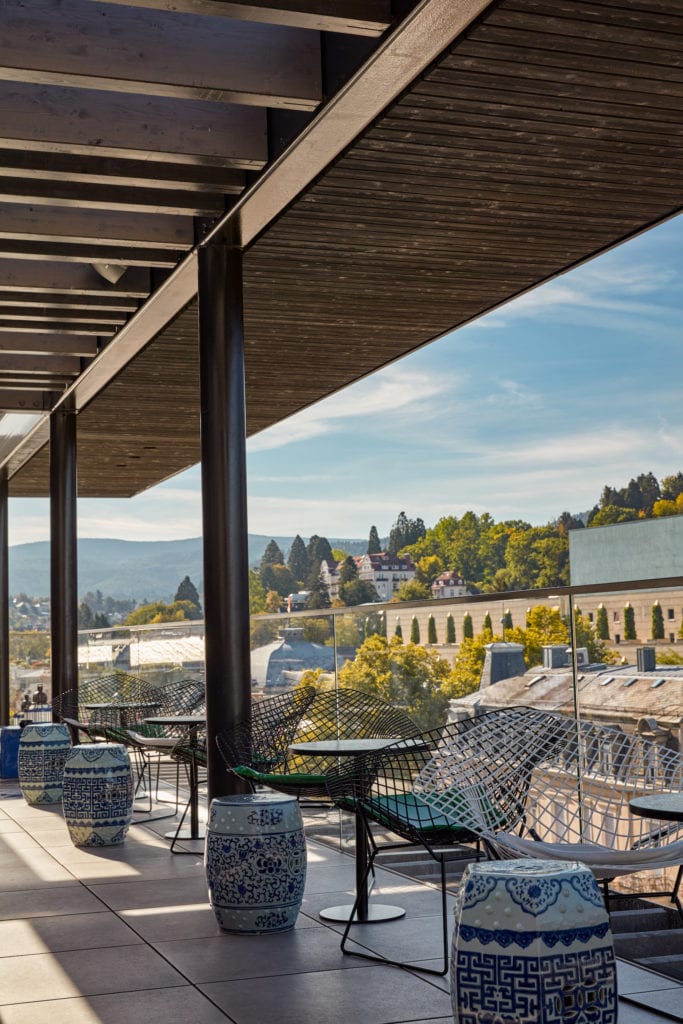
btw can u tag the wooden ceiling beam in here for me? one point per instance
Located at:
(66, 303)
(48, 277)
(353, 17)
(49, 344)
(46, 327)
(39, 365)
(159, 53)
(100, 170)
(90, 122)
(81, 252)
(62, 315)
(19, 220)
(125, 199)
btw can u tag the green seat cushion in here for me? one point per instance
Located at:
(409, 811)
(279, 778)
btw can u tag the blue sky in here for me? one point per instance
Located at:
(524, 414)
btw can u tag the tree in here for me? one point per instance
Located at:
(414, 631)
(507, 619)
(488, 625)
(610, 514)
(672, 486)
(629, 622)
(188, 592)
(408, 676)
(257, 594)
(272, 555)
(450, 630)
(468, 666)
(428, 568)
(657, 621)
(405, 531)
(348, 570)
(398, 632)
(318, 596)
(374, 546)
(467, 628)
(318, 550)
(278, 577)
(86, 619)
(431, 630)
(411, 590)
(159, 611)
(273, 602)
(357, 592)
(601, 623)
(297, 560)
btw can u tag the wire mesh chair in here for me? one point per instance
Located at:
(582, 779)
(380, 786)
(306, 716)
(189, 752)
(103, 702)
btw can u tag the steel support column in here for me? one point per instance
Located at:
(224, 499)
(63, 557)
(4, 603)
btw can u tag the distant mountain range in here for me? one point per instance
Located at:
(140, 570)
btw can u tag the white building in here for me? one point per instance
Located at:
(386, 572)
(449, 584)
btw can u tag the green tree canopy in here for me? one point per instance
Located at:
(411, 590)
(357, 592)
(414, 631)
(159, 611)
(467, 627)
(374, 546)
(629, 622)
(428, 568)
(657, 621)
(318, 550)
(348, 570)
(297, 560)
(188, 592)
(431, 630)
(404, 532)
(602, 623)
(272, 555)
(672, 486)
(450, 630)
(318, 597)
(405, 675)
(277, 577)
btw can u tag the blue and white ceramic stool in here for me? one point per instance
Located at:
(98, 794)
(40, 762)
(255, 862)
(532, 943)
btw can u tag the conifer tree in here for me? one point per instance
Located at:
(398, 631)
(318, 596)
(629, 622)
(272, 555)
(601, 623)
(297, 560)
(319, 550)
(488, 625)
(507, 619)
(467, 628)
(414, 631)
(450, 630)
(657, 621)
(431, 630)
(348, 570)
(374, 546)
(187, 592)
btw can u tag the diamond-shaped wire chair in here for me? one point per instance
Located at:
(380, 786)
(583, 776)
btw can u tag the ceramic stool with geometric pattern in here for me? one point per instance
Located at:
(532, 944)
(42, 753)
(98, 794)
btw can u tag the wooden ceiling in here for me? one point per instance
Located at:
(539, 134)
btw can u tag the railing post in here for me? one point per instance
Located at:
(63, 552)
(224, 500)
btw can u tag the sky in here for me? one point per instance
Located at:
(524, 414)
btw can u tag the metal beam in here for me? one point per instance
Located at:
(63, 551)
(354, 17)
(155, 53)
(56, 223)
(50, 344)
(90, 122)
(23, 401)
(4, 602)
(27, 277)
(224, 499)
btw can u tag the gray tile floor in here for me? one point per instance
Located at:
(126, 933)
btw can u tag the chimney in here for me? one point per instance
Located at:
(647, 659)
(555, 656)
(502, 661)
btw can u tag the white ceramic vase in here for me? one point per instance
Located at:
(255, 862)
(532, 944)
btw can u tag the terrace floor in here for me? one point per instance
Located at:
(126, 933)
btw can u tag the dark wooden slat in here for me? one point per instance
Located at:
(109, 197)
(45, 327)
(357, 17)
(90, 122)
(19, 383)
(159, 54)
(39, 364)
(44, 300)
(62, 315)
(100, 170)
(83, 253)
(611, 35)
(666, 19)
(19, 220)
(56, 344)
(28, 277)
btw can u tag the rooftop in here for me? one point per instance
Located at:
(124, 933)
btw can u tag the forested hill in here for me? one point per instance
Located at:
(140, 570)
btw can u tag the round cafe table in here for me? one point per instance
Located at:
(192, 724)
(367, 912)
(662, 807)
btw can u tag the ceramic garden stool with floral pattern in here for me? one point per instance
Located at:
(98, 794)
(255, 862)
(40, 762)
(532, 943)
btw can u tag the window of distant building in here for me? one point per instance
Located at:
(672, 638)
(670, 613)
(615, 616)
(590, 616)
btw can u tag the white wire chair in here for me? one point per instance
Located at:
(582, 778)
